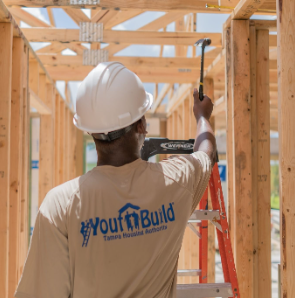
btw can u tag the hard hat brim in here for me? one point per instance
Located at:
(149, 99)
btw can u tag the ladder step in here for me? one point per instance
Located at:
(189, 272)
(204, 215)
(204, 290)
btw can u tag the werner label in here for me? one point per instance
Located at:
(177, 146)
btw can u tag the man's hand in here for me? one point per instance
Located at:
(202, 108)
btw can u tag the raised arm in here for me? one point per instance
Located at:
(205, 139)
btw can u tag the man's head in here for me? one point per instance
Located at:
(132, 141)
(111, 103)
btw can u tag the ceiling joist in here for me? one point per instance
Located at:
(164, 5)
(182, 64)
(124, 37)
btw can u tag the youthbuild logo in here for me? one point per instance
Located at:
(130, 222)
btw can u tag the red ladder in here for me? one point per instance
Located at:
(217, 216)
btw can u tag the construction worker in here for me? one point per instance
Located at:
(117, 230)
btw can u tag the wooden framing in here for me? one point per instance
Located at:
(24, 202)
(15, 162)
(24, 84)
(166, 5)
(125, 37)
(263, 241)
(246, 8)
(46, 162)
(131, 62)
(286, 91)
(5, 120)
(247, 87)
(242, 163)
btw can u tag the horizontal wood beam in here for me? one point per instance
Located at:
(271, 25)
(124, 37)
(160, 75)
(245, 9)
(184, 64)
(164, 5)
(38, 104)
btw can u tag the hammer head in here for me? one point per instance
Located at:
(203, 42)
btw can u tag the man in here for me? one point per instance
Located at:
(117, 230)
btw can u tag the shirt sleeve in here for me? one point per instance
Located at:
(191, 171)
(46, 272)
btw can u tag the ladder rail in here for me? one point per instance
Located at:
(203, 242)
(225, 247)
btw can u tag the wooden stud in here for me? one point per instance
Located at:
(6, 32)
(73, 147)
(15, 162)
(34, 76)
(24, 224)
(240, 64)
(62, 142)
(42, 88)
(79, 152)
(187, 243)
(254, 119)
(193, 121)
(263, 164)
(57, 141)
(46, 161)
(209, 91)
(180, 51)
(163, 134)
(66, 142)
(286, 94)
(229, 139)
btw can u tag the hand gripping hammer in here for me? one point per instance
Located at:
(202, 43)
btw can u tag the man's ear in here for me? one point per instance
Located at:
(141, 126)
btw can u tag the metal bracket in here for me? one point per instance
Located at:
(94, 57)
(91, 32)
(217, 225)
(211, 215)
(191, 226)
(84, 2)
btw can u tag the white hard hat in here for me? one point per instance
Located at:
(110, 98)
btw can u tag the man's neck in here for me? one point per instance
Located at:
(116, 160)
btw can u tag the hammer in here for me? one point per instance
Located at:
(202, 43)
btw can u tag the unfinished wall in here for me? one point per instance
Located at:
(25, 84)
